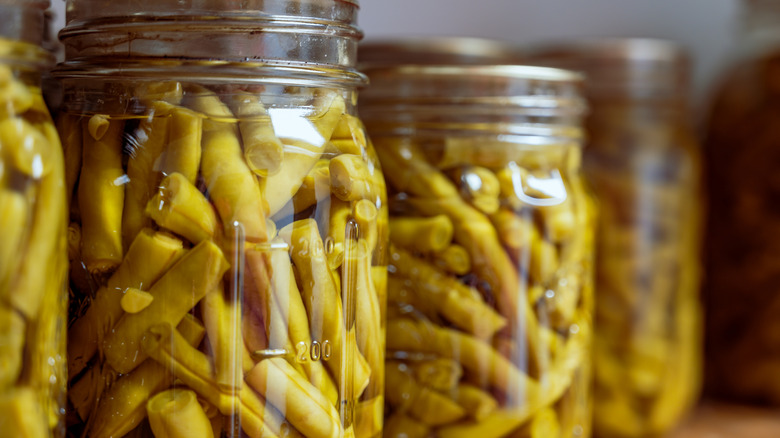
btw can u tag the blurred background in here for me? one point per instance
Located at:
(708, 28)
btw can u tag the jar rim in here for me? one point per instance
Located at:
(636, 68)
(79, 12)
(211, 71)
(615, 49)
(437, 50)
(506, 71)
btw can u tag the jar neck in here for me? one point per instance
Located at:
(23, 20)
(509, 101)
(307, 35)
(760, 24)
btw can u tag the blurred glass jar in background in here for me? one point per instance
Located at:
(742, 150)
(228, 224)
(33, 259)
(643, 162)
(491, 231)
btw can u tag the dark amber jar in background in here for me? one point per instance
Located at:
(33, 263)
(228, 222)
(643, 163)
(491, 233)
(742, 149)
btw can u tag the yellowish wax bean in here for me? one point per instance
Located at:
(343, 146)
(321, 298)
(453, 259)
(165, 91)
(122, 406)
(176, 293)
(69, 128)
(400, 425)
(181, 208)
(232, 186)
(459, 304)
(406, 395)
(101, 194)
(370, 339)
(222, 318)
(496, 425)
(423, 234)
(15, 98)
(21, 415)
(439, 374)
(479, 186)
(303, 405)
(143, 170)
(46, 241)
(515, 231)
(176, 413)
(478, 403)
(301, 154)
(476, 357)
(28, 148)
(351, 179)
(314, 189)
(263, 151)
(560, 222)
(12, 340)
(543, 424)
(544, 259)
(148, 257)
(366, 217)
(14, 212)
(369, 417)
(167, 346)
(182, 152)
(287, 299)
(350, 128)
(338, 231)
(135, 300)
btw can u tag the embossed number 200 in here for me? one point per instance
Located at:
(314, 352)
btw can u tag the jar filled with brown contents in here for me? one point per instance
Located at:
(742, 288)
(33, 251)
(491, 230)
(643, 162)
(228, 222)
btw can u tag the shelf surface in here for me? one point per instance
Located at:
(720, 420)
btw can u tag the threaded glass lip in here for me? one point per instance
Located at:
(211, 71)
(482, 88)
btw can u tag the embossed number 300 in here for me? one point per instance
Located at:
(315, 352)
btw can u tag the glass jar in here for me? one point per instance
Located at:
(643, 162)
(491, 233)
(228, 222)
(33, 263)
(741, 288)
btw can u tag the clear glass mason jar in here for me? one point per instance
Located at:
(741, 292)
(644, 164)
(33, 258)
(228, 222)
(491, 231)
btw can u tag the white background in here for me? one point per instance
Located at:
(706, 27)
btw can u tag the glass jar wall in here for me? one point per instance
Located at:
(644, 165)
(33, 261)
(741, 151)
(490, 288)
(228, 223)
